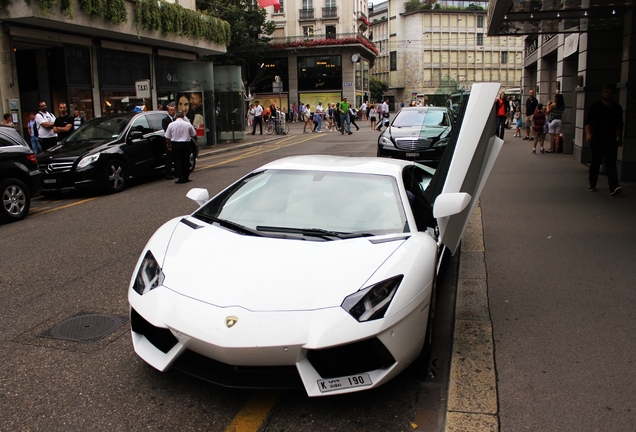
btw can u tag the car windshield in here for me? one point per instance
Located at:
(105, 128)
(423, 117)
(289, 200)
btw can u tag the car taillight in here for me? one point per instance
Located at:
(32, 158)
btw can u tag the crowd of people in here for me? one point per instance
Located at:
(335, 117)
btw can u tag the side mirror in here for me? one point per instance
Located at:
(198, 195)
(449, 204)
(136, 135)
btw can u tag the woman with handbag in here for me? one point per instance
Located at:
(555, 113)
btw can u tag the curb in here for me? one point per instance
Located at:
(472, 394)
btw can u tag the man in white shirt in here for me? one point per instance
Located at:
(258, 118)
(318, 114)
(178, 138)
(363, 111)
(384, 115)
(45, 121)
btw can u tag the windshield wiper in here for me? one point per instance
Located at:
(228, 224)
(316, 232)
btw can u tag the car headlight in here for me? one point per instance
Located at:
(441, 143)
(371, 303)
(385, 140)
(149, 276)
(88, 160)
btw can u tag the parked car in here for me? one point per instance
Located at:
(20, 179)
(312, 271)
(417, 134)
(107, 151)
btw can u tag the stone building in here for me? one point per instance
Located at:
(426, 54)
(321, 53)
(574, 48)
(91, 58)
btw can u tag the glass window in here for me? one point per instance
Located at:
(504, 57)
(480, 39)
(141, 124)
(480, 21)
(120, 69)
(308, 4)
(393, 60)
(308, 31)
(301, 200)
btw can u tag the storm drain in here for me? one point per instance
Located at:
(86, 327)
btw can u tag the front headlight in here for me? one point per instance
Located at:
(371, 303)
(441, 143)
(385, 141)
(150, 275)
(88, 160)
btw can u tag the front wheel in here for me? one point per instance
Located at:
(16, 200)
(283, 129)
(269, 129)
(116, 176)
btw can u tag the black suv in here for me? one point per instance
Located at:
(20, 178)
(107, 151)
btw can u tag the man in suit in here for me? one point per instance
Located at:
(169, 156)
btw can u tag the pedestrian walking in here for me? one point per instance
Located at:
(372, 116)
(531, 106)
(344, 116)
(501, 105)
(604, 132)
(178, 137)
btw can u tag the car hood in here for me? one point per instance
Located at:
(417, 131)
(75, 148)
(220, 267)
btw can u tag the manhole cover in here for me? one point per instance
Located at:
(86, 327)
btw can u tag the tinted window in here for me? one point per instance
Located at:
(141, 124)
(156, 120)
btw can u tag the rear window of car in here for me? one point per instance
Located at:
(421, 117)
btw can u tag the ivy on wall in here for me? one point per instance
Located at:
(158, 15)
(172, 18)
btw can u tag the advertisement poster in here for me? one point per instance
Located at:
(191, 103)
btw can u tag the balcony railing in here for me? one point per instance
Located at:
(322, 40)
(330, 12)
(306, 14)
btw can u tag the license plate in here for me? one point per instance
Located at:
(359, 380)
(50, 181)
(412, 154)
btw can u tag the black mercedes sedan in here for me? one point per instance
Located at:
(417, 134)
(106, 152)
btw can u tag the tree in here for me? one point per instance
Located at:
(249, 28)
(377, 89)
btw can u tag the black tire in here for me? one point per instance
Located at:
(16, 200)
(115, 176)
(192, 160)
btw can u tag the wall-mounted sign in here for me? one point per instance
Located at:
(348, 84)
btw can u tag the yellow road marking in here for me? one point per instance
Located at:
(254, 413)
(62, 207)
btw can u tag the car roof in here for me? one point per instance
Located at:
(423, 107)
(362, 165)
(10, 134)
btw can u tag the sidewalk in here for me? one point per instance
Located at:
(557, 267)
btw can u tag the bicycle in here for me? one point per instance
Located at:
(278, 126)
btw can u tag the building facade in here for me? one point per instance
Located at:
(92, 59)
(425, 54)
(574, 48)
(321, 53)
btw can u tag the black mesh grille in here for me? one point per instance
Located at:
(255, 377)
(162, 338)
(363, 356)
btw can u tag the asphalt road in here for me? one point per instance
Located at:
(75, 253)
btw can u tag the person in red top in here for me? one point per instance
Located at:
(538, 125)
(502, 108)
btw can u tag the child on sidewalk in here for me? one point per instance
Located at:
(538, 124)
(518, 120)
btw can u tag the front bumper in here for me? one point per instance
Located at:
(274, 349)
(428, 155)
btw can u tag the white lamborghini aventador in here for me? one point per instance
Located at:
(314, 271)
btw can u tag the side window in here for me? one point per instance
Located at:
(141, 124)
(416, 181)
(156, 121)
